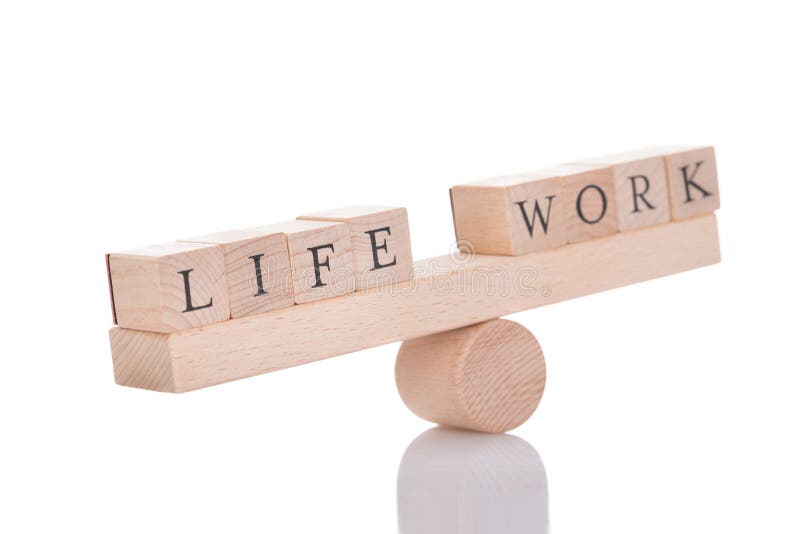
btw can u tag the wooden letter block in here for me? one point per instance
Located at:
(591, 202)
(169, 287)
(257, 269)
(640, 183)
(321, 257)
(381, 243)
(692, 175)
(511, 215)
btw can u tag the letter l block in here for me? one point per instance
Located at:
(169, 287)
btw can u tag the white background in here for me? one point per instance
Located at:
(671, 406)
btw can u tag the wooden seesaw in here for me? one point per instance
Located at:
(212, 309)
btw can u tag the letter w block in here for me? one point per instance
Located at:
(511, 215)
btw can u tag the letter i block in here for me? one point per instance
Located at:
(510, 215)
(381, 243)
(168, 287)
(591, 202)
(321, 258)
(640, 184)
(692, 175)
(257, 269)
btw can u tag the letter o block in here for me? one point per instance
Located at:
(381, 243)
(168, 287)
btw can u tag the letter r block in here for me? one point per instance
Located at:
(168, 287)
(257, 269)
(640, 184)
(381, 243)
(321, 258)
(511, 215)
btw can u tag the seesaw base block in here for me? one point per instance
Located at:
(445, 294)
(487, 377)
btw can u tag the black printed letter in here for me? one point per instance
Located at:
(689, 181)
(189, 306)
(259, 282)
(537, 212)
(375, 248)
(637, 195)
(580, 210)
(318, 264)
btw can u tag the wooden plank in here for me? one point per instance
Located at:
(445, 293)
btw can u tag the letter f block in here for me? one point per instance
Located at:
(511, 215)
(381, 242)
(321, 258)
(168, 287)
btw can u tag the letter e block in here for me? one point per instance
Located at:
(381, 243)
(511, 215)
(640, 183)
(257, 269)
(321, 257)
(168, 287)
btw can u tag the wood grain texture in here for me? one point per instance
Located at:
(141, 359)
(481, 219)
(446, 293)
(391, 248)
(488, 377)
(148, 286)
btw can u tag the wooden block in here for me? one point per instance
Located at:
(321, 257)
(257, 269)
(169, 287)
(692, 175)
(447, 293)
(591, 202)
(640, 184)
(511, 215)
(381, 243)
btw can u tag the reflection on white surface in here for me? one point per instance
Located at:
(457, 481)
